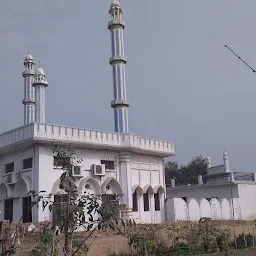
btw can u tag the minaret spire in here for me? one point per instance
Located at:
(225, 159)
(40, 83)
(120, 104)
(29, 92)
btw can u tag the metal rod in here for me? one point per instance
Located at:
(253, 70)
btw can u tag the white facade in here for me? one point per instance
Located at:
(225, 195)
(223, 201)
(138, 168)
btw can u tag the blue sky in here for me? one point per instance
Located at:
(182, 84)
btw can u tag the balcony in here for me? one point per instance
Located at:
(54, 133)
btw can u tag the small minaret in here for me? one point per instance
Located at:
(40, 83)
(208, 162)
(226, 163)
(120, 104)
(29, 91)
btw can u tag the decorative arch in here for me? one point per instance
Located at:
(113, 183)
(215, 209)
(56, 189)
(194, 210)
(28, 181)
(205, 209)
(237, 209)
(95, 187)
(138, 188)
(20, 189)
(225, 207)
(3, 191)
(159, 188)
(148, 188)
(55, 186)
(180, 209)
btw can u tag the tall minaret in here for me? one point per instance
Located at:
(29, 92)
(120, 105)
(40, 83)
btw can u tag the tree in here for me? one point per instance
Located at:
(85, 210)
(186, 174)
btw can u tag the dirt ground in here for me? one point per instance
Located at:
(104, 243)
(247, 252)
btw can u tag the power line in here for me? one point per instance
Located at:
(253, 70)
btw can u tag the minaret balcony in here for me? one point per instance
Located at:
(28, 101)
(116, 23)
(119, 103)
(117, 59)
(28, 73)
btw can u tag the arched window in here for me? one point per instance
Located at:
(134, 202)
(146, 201)
(157, 201)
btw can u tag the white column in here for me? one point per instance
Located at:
(126, 183)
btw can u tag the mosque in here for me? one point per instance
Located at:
(120, 165)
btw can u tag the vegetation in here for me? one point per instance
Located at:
(185, 174)
(201, 239)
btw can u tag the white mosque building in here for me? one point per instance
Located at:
(129, 167)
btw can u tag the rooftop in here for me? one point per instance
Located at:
(46, 133)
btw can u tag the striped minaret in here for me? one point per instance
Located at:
(29, 91)
(120, 104)
(40, 83)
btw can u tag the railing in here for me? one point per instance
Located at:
(243, 176)
(76, 135)
(216, 169)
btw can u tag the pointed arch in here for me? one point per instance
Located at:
(3, 191)
(138, 188)
(194, 210)
(148, 188)
(20, 188)
(116, 188)
(159, 188)
(215, 209)
(28, 182)
(225, 207)
(91, 181)
(55, 187)
(205, 209)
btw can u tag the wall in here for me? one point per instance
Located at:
(247, 194)
(243, 205)
(148, 176)
(145, 172)
(192, 210)
(204, 191)
(22, 186)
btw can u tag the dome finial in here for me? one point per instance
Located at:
(115, 3)
(29, 57)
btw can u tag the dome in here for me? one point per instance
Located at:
(29, 57)
(40, 71)
(115, 3)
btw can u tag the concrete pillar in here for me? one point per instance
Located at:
(126, 184)
(232, 178)
(200, 180)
